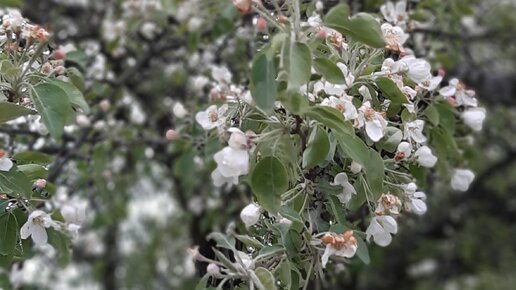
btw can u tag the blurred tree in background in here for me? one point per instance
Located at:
(149, 66)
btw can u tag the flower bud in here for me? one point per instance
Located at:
(213, 269)
(105, 105)
(355, 167)
(83, 121)
(58, 54)
(40, 183)
(462, 179)
(244, 6)
(474, 118)
(261, 24)
(171, 135)
(321, 34)
(282, 19)
(442, 72)
(179, 110)
(250, 215)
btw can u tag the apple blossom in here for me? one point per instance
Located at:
(250, 215)
(355, 167)
(416, 203)
(5, 163)
(171, 135)
(348, 190)
(414, 131)
(381, 228)
(425, 157)
(394, 36)
(83, 121)
(388, 203)
(211, 118)
(418, 70)
(474, 118)
(40, 183)
(456, 90)
(462, 179)
(375, 123)
(344, 245)
(396, 14)
(213, 269)
(35, 227)
(343, 104)
(179, 110)
(403, 152)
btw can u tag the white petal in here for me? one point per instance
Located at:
(202, 119)
(462, 179)
(25, 230)
(326, 256)
(39, 235)
(382, 239)
(250, 214)
(448, 91)
(388, 223)
(5, 164)
(375, 130)
(340, 179)
(418, 206)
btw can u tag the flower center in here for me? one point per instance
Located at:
(369, 114)
(340, 107)
(213, 116)
(2, 153)
(38, 221)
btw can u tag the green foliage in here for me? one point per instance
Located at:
(263, 83)
(52, 103)
(269, 180)
(317, 148)
(10, 111)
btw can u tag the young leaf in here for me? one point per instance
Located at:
(300, 60)
(317, 148)
(53, 105)
(263, 83)
(362, 251)
(361, 27)
(433, 115)
(329, 70)
(222, 240)
(294, 102)
(29, 157)
(14, 181)
(75, 96)
(60, 242)
(266, 279)
(268, 181)
(392, 92)
(8, 233)
(33, 171)
(331, 118)
(10, 111)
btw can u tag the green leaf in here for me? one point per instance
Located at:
(75, 96)
(77, 56)
(390, 90)
(329, 70)
(224, 260)
(60, 242)
(201, 285)
(222, 240)
(263, 83)
(300, 60)
(337, 209)
(446, 116)
(269, 251)
(285, 274)
(8, 233)
(362, 251)
(76, 77)
(331, 118)
(391, 140)
(53, 105)
(10, 111)
(29, 157)
(295, 102)
(250, 241)
(266, 279)
(268, 181)
(14, 181)
(34, 171)
(317, 148)
(361, 27)
(433, 115)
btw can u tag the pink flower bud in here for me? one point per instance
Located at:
(321, 34)
(261, 24)
(83, 121)
(171, 135)
(213, 269)
(40, 183)
(58, 54)
(442, 72)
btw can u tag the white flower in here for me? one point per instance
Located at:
(83, 121)
(5, 163)
(179, 110)
(213, 269)
(250, 215)
(231, 163)
(221, 74)
(74, 214)
(457, 93)
(35, 227)
(365, 93)
(416, 203)
(418, 70)
(403, 152)
(149, 30)
(388, 203)
(347, 189)
(329, 88)
(375, 124)
(247, 261)
(344, 245)
(395, 14)
(238, 139)
(212, 117)
(462, 179)
(431, 84)
(394, 36)
(424, 157)
(355, 167)
(474, 118)
(381, 228)
(348, 76)
(343, 104)
(414, 131)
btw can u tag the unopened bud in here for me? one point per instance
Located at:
(105, 105)
(213, 269)
(58, 54)
(321, 34)
(282, 19)
(261, 24)
(355, 167)
(250, 215)
(442, 72)
(179, 110)
(171, 135)
(83, 121)
(40, 183)
(244, 6)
